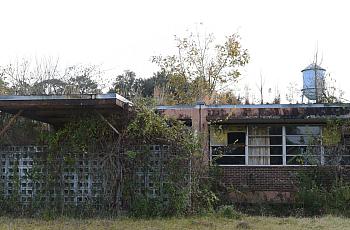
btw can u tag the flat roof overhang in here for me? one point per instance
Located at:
(283, 114)
(262, 114)
(268, 121)
(57, 110)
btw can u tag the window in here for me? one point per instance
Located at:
(228, 145)
(266, 145)
(338, 154)
(303, 145)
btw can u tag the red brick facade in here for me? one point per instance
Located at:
(261, 178)
(273, 183)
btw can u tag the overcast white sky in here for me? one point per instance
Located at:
(281, 36)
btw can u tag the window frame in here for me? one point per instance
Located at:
(283, 146)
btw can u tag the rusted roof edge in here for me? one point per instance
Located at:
(265, 106)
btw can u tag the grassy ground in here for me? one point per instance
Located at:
(209, 222)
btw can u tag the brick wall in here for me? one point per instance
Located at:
(272, 183)
(251, 178)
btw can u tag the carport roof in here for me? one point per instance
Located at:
(60, 109)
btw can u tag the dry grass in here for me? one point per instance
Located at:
(209, 222)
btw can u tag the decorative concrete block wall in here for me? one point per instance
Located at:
(24, 174)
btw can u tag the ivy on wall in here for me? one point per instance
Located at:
(138, 161)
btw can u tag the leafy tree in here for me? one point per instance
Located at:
(200, 67)
(80, 79)
(129, 86)
(50, 86)
(19, 76)
(150, 85)
(227, 98)
(126, 84)
(3, 87)
(44, 77)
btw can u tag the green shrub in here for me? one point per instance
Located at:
(176, 204)
(339, 200)
(228, 211)
(315, 198)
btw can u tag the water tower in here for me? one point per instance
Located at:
(313, 82)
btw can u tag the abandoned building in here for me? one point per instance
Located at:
(258, 147)
(261, 147)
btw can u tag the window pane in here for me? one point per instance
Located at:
(259, 141)
(265, 130)
(276, 140)
(265, 155)
(227, 160)
(301, 130)
(228, 150)
(337, 159)
(258, 160)
(303, 150)
(259, 151)
(275, 130)
(303, 160)
(258, 130)
(276, 160)
(295, 160)
(333, 159)
(265, 150)
(237, 138)
(276, 150)
(259, 155)
(302, 140)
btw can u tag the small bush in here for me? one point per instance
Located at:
(228, 211)
(315, 198)
(144, 207)
(147, 207)
(339, 200)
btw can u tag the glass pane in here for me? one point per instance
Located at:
(265, 150)
(295, 160)
(275, 130)
(233, 128)
(275, 140)
(258, 141)
(265, 130)
(303, 160)
(276, 150)
(301, 130)
(237, 138)
(227, 160)
(259, 151)
(276, 160)
(258, 130)
(302, 140)
(228, 150)
(334, 159)
(303, 150)
(258, 160)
